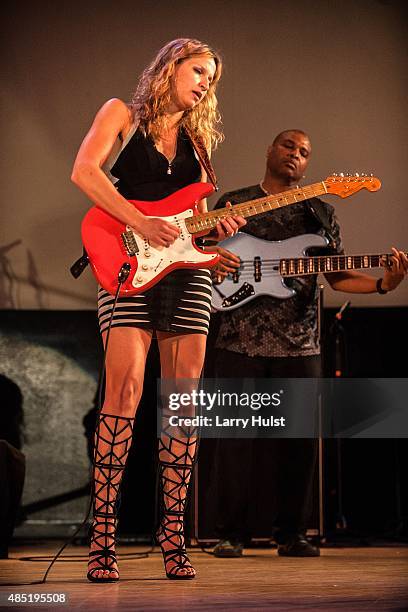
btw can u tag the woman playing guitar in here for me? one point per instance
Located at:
(144, 151)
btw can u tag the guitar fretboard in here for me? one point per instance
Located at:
(331, 263)
(209, 220)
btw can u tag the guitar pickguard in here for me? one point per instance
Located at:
(243, 293)
(154, 259)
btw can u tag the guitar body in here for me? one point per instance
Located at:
(233, 293)
(110, 243)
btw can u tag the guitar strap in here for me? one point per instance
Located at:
(79, 265)
(202, 154)
(319, 212)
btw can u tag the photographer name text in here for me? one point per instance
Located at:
(217, 421)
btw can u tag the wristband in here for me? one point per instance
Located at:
(379, 288)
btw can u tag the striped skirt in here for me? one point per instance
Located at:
(179, 303)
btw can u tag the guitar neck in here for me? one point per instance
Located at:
(209, 220)
(304, 266)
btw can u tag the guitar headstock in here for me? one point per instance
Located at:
(345, 185)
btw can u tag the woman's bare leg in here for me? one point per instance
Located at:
(125, 366)
(182, 357)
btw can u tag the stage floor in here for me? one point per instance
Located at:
(370, 578)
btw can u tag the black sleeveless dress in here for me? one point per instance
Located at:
(181, 301)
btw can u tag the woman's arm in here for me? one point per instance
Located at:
(113, 118)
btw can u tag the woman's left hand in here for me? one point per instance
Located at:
(227, 227)
(396, 272)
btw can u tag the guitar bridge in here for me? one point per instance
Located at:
(257, 269)
(243, 292)
(130, 244)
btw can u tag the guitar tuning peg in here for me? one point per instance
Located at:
(357, 174)
(341, 174)
(334, 174)
(363, 174)
(371, 174)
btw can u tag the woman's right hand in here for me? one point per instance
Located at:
(158, 231)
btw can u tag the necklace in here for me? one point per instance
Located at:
(263, 188)
(174, 153)
(170, 161)
(266, 192)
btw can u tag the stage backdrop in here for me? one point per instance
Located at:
(334, 69)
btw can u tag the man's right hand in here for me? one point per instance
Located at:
(228, 264)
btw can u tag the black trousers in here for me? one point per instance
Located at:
(246, 469)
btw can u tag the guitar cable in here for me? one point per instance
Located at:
(122, 277)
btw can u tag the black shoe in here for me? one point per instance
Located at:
(226, 548)
(297, 546)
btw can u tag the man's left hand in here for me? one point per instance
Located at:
(395, 273)
(227, 227)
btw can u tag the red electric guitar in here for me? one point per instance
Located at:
(109, 243)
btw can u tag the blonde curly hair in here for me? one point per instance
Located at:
(152, 94)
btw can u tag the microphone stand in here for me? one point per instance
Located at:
(340, 369)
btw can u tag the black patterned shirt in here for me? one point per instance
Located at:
(267, 326)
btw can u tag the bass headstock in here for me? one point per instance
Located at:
(345, 185)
